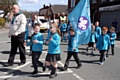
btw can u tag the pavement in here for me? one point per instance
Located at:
(90, 69)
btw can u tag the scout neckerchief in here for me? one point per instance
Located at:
(14, 16)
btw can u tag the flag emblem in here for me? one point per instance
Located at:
(83, 23)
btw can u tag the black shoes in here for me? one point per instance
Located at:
(8, 64)
(22, 63)
(112, 53)
(64, 68)
(79, 66)
(44, 68)
(34, 72)
(53, 75)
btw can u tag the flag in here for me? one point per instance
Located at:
(80, 20)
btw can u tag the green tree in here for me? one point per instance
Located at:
(6, 5)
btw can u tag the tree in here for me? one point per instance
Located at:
(6, 5)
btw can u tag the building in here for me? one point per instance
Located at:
(50, 10)
(104, 11)
(108, 12)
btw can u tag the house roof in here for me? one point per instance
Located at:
(59, 8)
(54, 8)
(43, 11)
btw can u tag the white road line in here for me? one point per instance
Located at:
(29, 75)
(28, 62)
(19, 60)
(78, 77)
(63, 66)
(4, 41)
(8, 75)
(16, 68)
(5, 77)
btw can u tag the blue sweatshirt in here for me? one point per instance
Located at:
(92, 36)
(37, 47)
(113, 36)
(98, 30)
(63, 27)
(103, 42)
(71, 44)
(54, 44)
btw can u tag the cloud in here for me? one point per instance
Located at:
(30, 1)
(35, 5)
(64, 2)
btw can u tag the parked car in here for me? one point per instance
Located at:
(44, 25)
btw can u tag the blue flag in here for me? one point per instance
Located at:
(80, 20)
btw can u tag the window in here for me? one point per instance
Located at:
(103, 0)
(112, 0)
(94, 1)
(72, 3)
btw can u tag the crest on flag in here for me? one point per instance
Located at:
(83, 23)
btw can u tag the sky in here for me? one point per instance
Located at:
(35, 5)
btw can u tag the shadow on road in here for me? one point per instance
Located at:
(90, 61)
(7, 52)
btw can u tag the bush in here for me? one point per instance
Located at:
(2, 21)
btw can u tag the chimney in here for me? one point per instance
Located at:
(50, 5)
(44, 6)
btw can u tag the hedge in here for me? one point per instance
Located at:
(2, 21)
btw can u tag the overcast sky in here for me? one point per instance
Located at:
(35, 5)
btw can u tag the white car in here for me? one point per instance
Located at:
(44, 25)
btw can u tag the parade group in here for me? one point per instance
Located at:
(24, 33)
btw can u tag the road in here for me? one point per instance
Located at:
(90, 69)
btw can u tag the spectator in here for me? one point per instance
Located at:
(115, 23)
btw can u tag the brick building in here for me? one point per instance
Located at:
(104, 11)
(50, 10)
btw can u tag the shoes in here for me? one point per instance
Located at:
(105, 58)
(107, 55)
(22, 63)
(53, 75)
(64, 68)
(34, 72)
(8, 64)
(79, 66)
(93, 53)
(87, 49)
(44, 68)
(112, 53)
(101, 63)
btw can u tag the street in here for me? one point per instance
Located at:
(90, 70)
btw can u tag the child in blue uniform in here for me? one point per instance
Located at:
(103, 42)
(53, 42)
(37, 42)
(72, 51)
(63, 29)
(98, 28)
(92, 40)
(112, 36)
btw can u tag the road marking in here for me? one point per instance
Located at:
(16, 68)
(19, 60)
(29, 75)
(63, 66)
(9, 75)
(77, 76)
(5, 41)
